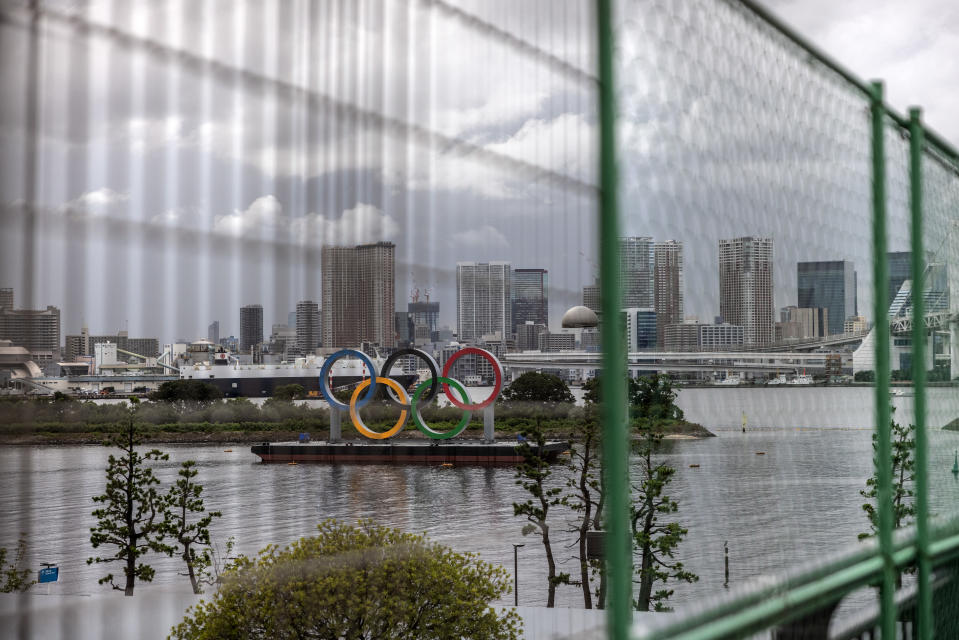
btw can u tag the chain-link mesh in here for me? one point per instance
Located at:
(177, 175)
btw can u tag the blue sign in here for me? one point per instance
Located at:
(50, 574)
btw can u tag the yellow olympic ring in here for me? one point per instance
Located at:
(358, 421)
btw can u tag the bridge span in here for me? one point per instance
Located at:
(667, 362)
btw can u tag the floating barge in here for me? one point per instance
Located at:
(403, 452)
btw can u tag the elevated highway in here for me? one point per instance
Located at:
(667, 362)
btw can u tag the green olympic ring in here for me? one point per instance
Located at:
(418, 419)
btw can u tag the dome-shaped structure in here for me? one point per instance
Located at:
(580, 317)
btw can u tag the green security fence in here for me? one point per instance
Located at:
(906, 164)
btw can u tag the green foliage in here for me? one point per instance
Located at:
(653, 397)
(864, 376)
(903, 469)
(655, 540)
(130, 516)
(186, 391)
(585, 498)
(12, 576)
(533, 386)
(533, 474)
(653, 404)
(289, 392)
(183, 501)
(364, 582)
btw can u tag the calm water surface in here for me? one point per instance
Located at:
(789, 507)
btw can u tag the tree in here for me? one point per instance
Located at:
(653, 401)
(903, 468)
(655, 540)
(130, 517)
(289, 392)
(186, 391)
(13, 577)
(864, 376)
(184, 500)
(363, 582)
(586, 499)
(533, 475)
(533, 386)
(653, 397)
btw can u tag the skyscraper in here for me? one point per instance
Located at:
(6, 298)
(425, 317)
(636, 271)
(251, 327)
(591, 298)
(483, 300)
(828, 285)
(746, 287)
(308, 336)
(667, 286)
(530, 297)
(900, 270)
(213, 332)
(358, 295)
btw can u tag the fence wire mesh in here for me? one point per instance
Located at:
(268, 183)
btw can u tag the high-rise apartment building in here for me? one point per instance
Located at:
(746, 287)
(308, 334)
(36, 330)
(667, 286)
(6, 298)
(527, 335)
(591, 299)
(636, 271)
(483, 300)
(828, 285)
(251, 327)
(213, 332)
(810, 322)
(530, 297)
(358, 295)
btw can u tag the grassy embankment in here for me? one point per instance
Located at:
(41, 421)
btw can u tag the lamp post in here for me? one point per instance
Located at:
(516, 575)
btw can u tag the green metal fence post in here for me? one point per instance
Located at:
(880, 275)
(615, 438)
(916, 143)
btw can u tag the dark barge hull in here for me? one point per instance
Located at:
(403, 452)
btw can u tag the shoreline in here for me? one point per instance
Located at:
(685, 431)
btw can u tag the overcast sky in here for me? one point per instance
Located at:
(174, 183)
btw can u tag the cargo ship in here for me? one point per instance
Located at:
(236, 380)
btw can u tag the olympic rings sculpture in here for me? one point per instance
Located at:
(422, 394)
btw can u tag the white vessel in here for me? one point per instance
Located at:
(803, 379)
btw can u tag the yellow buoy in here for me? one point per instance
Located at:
(292, 462)
(228, 451)
(447, 464)
(760, 453)
(694, 466)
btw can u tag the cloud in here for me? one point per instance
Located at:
(363, 223)
(486, 237)
(265, 214)
(99, 202)
(265, 218)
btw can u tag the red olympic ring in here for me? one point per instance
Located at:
(497, 370)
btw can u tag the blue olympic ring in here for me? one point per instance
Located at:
(325, 372)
